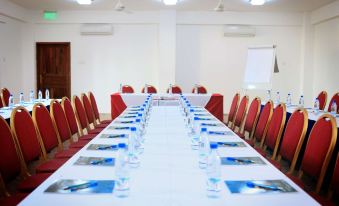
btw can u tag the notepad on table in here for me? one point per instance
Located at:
(113, 136)
(259, 186)
(103, 147)
(95, 161)
(242, 161)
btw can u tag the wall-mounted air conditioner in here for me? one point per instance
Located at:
(96, 29)
(239, 31)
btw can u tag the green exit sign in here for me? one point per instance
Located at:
(50, 15)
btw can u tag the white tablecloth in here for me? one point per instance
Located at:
(169, 174)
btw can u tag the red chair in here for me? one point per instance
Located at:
(274, 131)
(5, 96)
(201, 90)
(336, 99)
(239, 116)
(322, 97)
(89, 112)
(96, 110)
(1, 101)
(13, 199)
(175, 89)
(293, 139)
(80, 114)
(318, 151)
(12, 166)
(251, 119)
(127, 89)
(29, 142)
(233, 109)
(263, 122)
(150, 89)
(72, 121)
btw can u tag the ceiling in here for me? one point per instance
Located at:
(183, 5)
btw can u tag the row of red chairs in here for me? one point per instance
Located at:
(46, 139)
(265, 131)
(322, 97)
(151, 89)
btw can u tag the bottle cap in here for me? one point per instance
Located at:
(142, 109)
(144, 105)
(188, 105)
(137, 120)
(122, 145)
(133, 129)
(204, 129)
(196, 118)
(139, 114)
(191, 110)
(214, 146)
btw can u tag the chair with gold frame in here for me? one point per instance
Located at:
(150, 89)
(322, 97)
(96, 110)
(5, 94)
(233, 110)
(175, 89)
(127, 89)
(335, 99)
(90, 113)
(201, 89)
(240, 114)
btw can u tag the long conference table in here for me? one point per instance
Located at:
(169, 174)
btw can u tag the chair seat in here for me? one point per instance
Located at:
(106, 121)
(99, 126)
(13, 200)
(50, 166)
(242, 136)
(321, 200)
(66, 154)
(79, 144)
(296, 180)
(95, 131)
(250, 142)
(29, 184)
(275, 164)
(87, 137)
(261, 152)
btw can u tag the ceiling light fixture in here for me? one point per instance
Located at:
(257, 2)
(84, 2)
(170, 2)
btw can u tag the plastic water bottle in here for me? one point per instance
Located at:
(11, 101)
(289, 99)
(196, 89)
(301, 101)
(31, 96)
(278, 98)
(133, 156)
(122, 172)
(21, 98)
(204, 148)
(268, 95)
(316, 106)
(213, 172)
(146, 88)
(334, 109)
(170, 89)
(195, 134)
(47, 94)
(139, 135)
(40, 96)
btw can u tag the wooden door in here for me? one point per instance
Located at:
(54, 68)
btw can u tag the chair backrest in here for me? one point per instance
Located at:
(5, 96)
(319, 148)
(233, 108)
(275, 128)
(127, 89)
(10, 161)
(150, 89)
(336, 99)
(26, 135)
(46, 130)
(1, 101)
(80, 113)
(60, 121)
(264, 120)
(294, 136)
(241, 111)
(88, 109)
(175, 89)
(322, 97)
(252, 116)
(94, 106)
(70, 115)
(201, 90)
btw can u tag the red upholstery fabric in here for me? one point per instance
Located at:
(106, 122)
(150, 90)
(233, 107)
(60, 120)
(292, 135)
(336, 99)
(251, 115)
(29, 184)
(317, 146)
(175, 90)
(88, 136)
(322, 200)
(66, 154)
(335, 177)
(201, 90)
(45, 126)
(275, 126)
(13, 200)
(241, 111)
(216, 106)
(88, 109)
(79, 144)
(275, 164)
(117, 105)
(95, 131)
(94, 105)
(9, 161)
(1, 104)
(263, 121)
(322, 100)
(5, 95)
(71, 119)
(50, 166)
(81, 112)
(127, 89)
(101, 126)
(27, 136)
